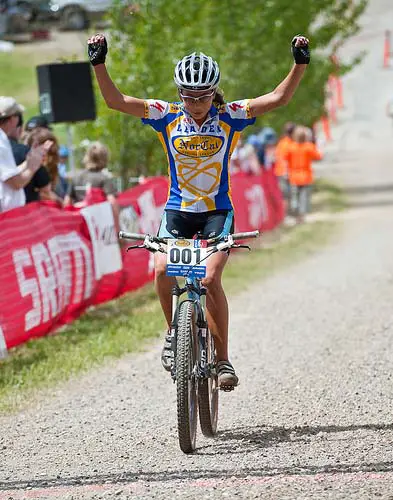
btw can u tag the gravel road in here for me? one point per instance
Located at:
(313, 416)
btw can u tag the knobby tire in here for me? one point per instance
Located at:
(187, 405)
(208, 396)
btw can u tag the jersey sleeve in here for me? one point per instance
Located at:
(156, 112)
(239, 114)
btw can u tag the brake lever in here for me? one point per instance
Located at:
(134, 246)
(242, 246)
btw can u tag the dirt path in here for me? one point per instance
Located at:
(313, 415)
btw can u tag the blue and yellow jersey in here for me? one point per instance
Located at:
(198, 157)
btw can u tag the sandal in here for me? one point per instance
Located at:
(227, 379)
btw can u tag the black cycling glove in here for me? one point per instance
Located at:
(97, 52)
(300, 54)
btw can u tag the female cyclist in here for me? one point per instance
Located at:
(198, 134)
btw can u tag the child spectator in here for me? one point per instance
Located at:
(92, 185)
(300, 155)
(62, 168)
(280, 167)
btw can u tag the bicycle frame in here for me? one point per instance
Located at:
(192, 344)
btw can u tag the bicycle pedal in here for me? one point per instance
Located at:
(227, 388)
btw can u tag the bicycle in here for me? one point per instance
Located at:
(193, 362)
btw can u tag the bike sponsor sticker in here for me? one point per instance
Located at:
(186, 258)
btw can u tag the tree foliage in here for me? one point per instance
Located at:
(249, 39)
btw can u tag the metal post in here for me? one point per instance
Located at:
(71, 158)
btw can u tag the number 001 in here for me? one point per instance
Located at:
(185, 256)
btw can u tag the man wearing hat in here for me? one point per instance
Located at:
(39, 187)
(13, 178)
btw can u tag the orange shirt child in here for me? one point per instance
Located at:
(280, 166)
(300, 157)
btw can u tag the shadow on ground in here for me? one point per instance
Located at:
(248, 439)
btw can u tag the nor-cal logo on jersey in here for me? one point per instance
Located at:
(197, 145)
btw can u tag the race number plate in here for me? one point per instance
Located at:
(186, 257)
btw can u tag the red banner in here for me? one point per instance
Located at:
(56, 263)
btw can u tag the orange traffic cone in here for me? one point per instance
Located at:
(339, 89)
(326, 127)
(386, 49)
(332, 98)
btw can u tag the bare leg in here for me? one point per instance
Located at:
(217, 305)
(164, 285)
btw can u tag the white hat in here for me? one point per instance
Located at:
(9, 107)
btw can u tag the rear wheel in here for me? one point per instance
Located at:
(208, 395)
(187, 406)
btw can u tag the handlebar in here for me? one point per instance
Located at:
(237, 236)
(154, 243)
(141, 237)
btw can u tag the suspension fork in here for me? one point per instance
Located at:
(202, 334)
(176, 292)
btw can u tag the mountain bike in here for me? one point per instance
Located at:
(193, 364)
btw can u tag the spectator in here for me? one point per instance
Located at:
(264, 146)
(269, 141)
(35, 122)
(255, 140)
(39, 186)
(13, 178)
(63, 161)
(62, 168)
(244, 159)
(280, 167)
(299, 156)
(50, 160)
(92, 185)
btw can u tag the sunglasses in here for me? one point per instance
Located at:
(193, 100)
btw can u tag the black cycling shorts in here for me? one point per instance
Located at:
(177, 224)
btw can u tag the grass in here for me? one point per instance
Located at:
(328, 194)
(129, 323)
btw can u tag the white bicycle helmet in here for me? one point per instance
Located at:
(197, 72)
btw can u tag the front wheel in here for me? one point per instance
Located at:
(208, 394)
(187, 406)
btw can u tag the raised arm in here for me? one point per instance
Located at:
(97, 50)
(284, 92)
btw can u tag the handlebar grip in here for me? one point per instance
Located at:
(243, 236)
(131, 236)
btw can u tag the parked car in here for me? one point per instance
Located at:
(77, 14)
(35, 9)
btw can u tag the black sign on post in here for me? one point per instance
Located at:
(66, 92)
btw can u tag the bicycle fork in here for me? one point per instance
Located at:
(202, 368)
